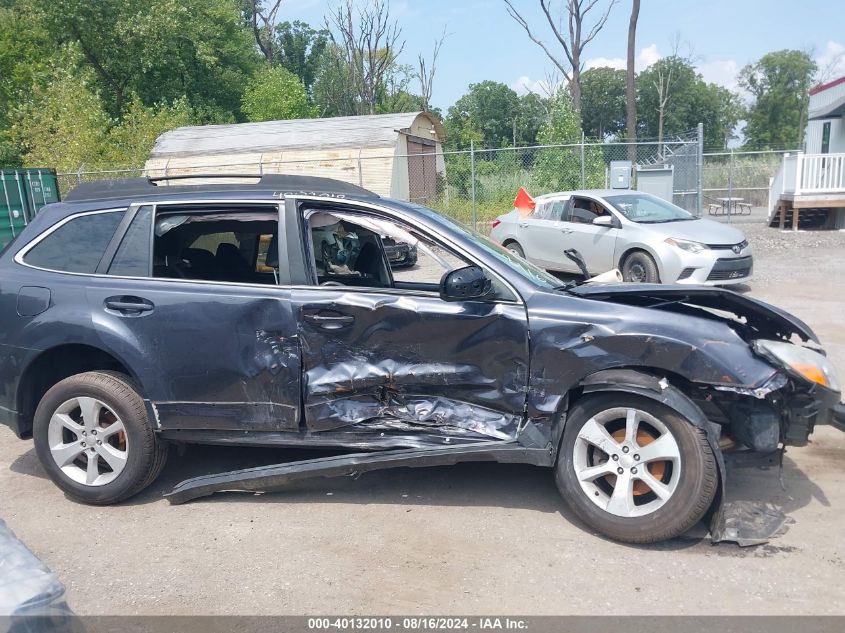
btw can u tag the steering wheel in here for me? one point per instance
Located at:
(332, 283)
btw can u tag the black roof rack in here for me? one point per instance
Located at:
(132, 187)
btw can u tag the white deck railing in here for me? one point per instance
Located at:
(807, 174)
(821, 173)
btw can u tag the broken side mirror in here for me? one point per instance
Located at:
(465, 283)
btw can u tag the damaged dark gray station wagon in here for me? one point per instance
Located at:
(134, 316)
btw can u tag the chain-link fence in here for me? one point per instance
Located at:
(738, 182)
(472, 186)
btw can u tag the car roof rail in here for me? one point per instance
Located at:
(153, 185)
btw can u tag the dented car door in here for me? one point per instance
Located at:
(400, 364)
(217, 350)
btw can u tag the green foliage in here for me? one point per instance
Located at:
(532, 113)
(276, 93)
(487, 113)
(300, 48)
(690, 101)
(160, 50)
(559, 168)
(779, 83)
(603, 102)
(64, 125)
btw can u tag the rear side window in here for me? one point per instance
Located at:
(78, 245)
(134, 255)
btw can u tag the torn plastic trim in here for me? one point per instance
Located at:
(659, 389)
(268, 478)
(778, 381)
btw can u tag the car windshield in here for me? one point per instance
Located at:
(517, 264)
(648, 209)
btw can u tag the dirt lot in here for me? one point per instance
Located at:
(472, 539)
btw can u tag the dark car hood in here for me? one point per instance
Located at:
(767, 320)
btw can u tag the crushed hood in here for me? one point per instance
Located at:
(766, 320)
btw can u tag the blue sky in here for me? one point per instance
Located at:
(722, 35)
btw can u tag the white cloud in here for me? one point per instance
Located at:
(525, 84)
(831, 61)
(721, 72)
(606, 62)
(646, 57)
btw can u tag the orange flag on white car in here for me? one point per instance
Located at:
(524, 203)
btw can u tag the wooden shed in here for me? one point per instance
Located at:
(396, 155)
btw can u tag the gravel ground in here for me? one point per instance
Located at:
(470, 539)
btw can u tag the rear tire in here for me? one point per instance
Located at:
(516, 249)
(622, 490)
(639, 267)
(94, 439)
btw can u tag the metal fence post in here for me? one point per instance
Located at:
(700, 208)
(730, 184)
(583, 178)
(472, 179)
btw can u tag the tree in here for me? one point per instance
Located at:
(672, 99)
(573, 43)
(299, 49)
(426, 71)
(779, 83)
(262, 18)
(159, 50)
(533, 112)
(366, 45)
(488, 112)
(630, 85)
(603, 102)
(275, 93)
(559, 168)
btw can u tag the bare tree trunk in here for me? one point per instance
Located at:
(573, 43)
(631, 87)
(263, 31)
(425, 72)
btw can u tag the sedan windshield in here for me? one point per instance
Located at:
(517, 264)
(647, 209)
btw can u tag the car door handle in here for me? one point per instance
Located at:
(330, 322)
(128, 305)
(565, 230)
(523, 225)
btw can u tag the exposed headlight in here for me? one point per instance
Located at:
(692, 247)
(803, 362)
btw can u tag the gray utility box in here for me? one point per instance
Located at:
(620, 174)
(658, 180)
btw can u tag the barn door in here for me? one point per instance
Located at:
(422, 171)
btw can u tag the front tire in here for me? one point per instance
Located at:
(516, 249)
(639, 267)
(634, 469)
(94, 439)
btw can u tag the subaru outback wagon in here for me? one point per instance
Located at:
(134, 316)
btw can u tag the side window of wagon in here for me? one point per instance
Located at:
(134, 255)
(77, 245)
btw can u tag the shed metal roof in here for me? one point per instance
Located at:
(378, 130)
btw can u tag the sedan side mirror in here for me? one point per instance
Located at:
(465, 283)
(604, 220)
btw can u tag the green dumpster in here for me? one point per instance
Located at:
(22, 194)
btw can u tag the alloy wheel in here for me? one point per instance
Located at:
(627, 462)
(88, 441)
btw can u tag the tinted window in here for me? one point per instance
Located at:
(584, 211)
(78, 245)
(132, 258)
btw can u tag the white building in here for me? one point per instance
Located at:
(396, 155)
(809, 189)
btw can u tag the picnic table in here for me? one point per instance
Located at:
(730, 206)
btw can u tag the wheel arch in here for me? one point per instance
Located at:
(662, 387)
(53, 365)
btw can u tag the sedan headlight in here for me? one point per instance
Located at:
(806, 363)
(686, 245)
